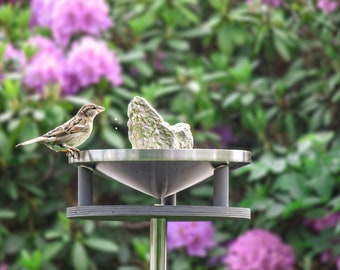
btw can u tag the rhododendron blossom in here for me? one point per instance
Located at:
(89, 60)
(195, 237)
(258, 250)
(67, 17)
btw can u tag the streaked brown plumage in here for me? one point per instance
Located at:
(68, 136)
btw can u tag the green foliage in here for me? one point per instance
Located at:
(271, 76)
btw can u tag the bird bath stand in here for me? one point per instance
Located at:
(160, 173)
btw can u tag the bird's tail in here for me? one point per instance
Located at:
(35, 140)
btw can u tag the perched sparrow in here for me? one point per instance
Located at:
(74, 132)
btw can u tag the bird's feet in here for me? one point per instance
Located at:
(74, 153)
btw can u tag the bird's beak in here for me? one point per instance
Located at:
(100, 109)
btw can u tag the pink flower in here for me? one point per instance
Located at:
(3, 266)
(15, 56)
(42, 12)
(90, 60)
(320, 224)
(327, 6)
(325, 222)
(13, 60)
(67, 17)
(157, 60)
(196, 237)
(46, 67)
(271, 3)
(258, 250)
(44, 45)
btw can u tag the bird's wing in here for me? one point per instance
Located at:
(74, 125)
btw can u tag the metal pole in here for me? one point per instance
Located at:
(158, 256)
(170, 200)
(85, 188)
(221, 186)
(158, 234)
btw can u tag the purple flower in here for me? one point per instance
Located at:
(226, 135)
(15, 56)
(321, 224)
(271, 3)
(89, 60)
(3, 266)
(259, 249)
(44, 45)
(67, 17)
(46, 67)
(157, 61)
(325, 222)
(42, 12)
(196, 237)
(13, 60)
(45, 70)
(327, 6)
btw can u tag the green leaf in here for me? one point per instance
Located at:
(291, 182)
(79, 257)
(6, 14)
(143, 68)
(33, 189)
(31, 261)
(274, 211)
(335, 203)
(178, 44)
(13, 244)
(101, 245)
(12, 191)
(51, 250)
(257, 171)
(231, 99)
(142, 23)
(242, 71)
(293, 207)
(277, 165)
(23, 17)
(5, 151)
(280, 43)
(247, 99)
(187, 13)
(322, 184)
(142, 247)
(199, 31)
(11, 88)
(6, 214)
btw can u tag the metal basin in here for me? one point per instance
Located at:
(159, 172)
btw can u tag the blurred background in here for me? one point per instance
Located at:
(258, 75)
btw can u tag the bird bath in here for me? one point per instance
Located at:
(160, 173)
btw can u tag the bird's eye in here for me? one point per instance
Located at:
(94, 107)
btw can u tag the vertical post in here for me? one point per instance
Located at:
(158, 256)
(158, 234)
(170, 200)
(221, 186)
(85, 188)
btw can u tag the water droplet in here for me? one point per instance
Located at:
(116, 128)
